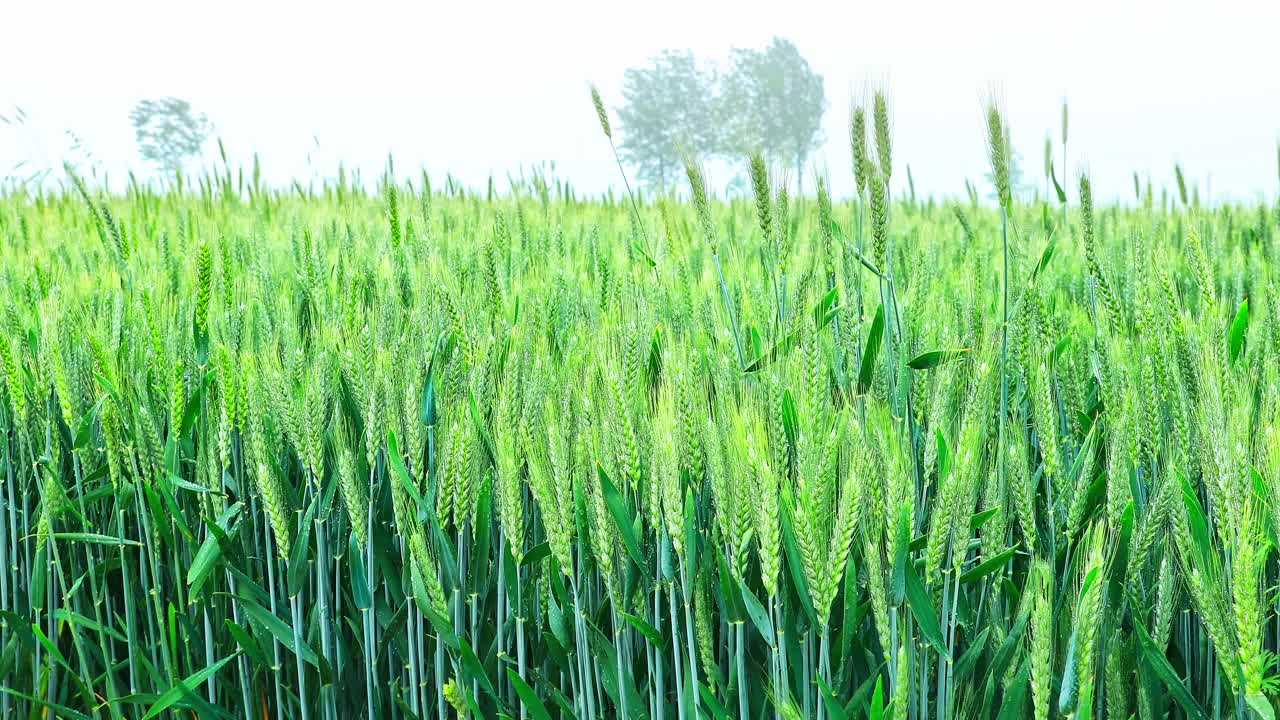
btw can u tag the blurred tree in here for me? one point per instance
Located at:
(168, 132)
(773, 102)
(669, 110)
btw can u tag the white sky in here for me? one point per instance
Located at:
(480, 87)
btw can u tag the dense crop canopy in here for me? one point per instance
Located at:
(411, 453)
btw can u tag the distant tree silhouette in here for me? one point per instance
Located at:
(168, 132)
(669, 110)
(772, 101)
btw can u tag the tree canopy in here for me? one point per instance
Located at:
(772, 101)
(168, 132)
(768, 100)
(669, 110)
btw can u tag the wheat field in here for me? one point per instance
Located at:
(418, 451)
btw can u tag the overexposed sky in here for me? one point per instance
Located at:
(475, 88)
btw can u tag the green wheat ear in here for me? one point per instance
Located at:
(204, 288)
(825, 220)
(601, 112)
(698, 190)
(998, 153)
(884, 144)
(1041, 631)
(1064, 122)
(858, 141)
(760, 188)
(879, 220)
(13, 382)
